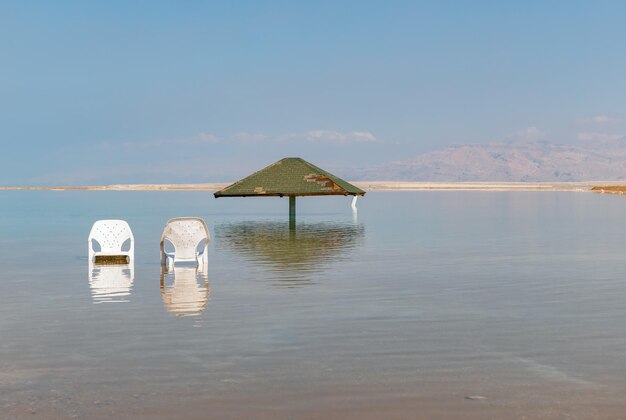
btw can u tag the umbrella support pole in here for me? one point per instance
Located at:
(292, 209)
(353, 205)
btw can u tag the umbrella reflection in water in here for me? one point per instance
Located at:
(111, 283)
(185, 290)
(293, 255)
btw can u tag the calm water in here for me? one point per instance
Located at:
(422, 298)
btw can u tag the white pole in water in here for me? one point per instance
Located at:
(354, 202)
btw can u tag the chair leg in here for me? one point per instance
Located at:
(205, 255)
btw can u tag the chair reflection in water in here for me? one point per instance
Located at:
(186, 234)
(187, 292)
(111, 283)
(111, 269)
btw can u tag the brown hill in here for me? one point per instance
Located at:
(509, 162)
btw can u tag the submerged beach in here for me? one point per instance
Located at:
(423, 304)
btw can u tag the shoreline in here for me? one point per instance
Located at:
(419, 399)
(600, 186)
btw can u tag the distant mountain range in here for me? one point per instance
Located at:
(509, 162)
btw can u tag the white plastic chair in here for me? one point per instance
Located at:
(111, 235)
(185, 234)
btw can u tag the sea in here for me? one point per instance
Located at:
(424, 304)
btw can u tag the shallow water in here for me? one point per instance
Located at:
(409, 306)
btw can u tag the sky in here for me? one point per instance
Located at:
(151, 91)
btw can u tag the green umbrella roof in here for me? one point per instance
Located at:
(290, 177)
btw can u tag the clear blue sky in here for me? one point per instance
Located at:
(119, 91)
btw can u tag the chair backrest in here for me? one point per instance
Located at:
(110, 234)
(185, 233)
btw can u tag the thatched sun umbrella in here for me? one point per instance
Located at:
(290, 177)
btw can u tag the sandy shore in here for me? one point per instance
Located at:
(125, 187)
(365, 185)
(419, 400)
(610, 189)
